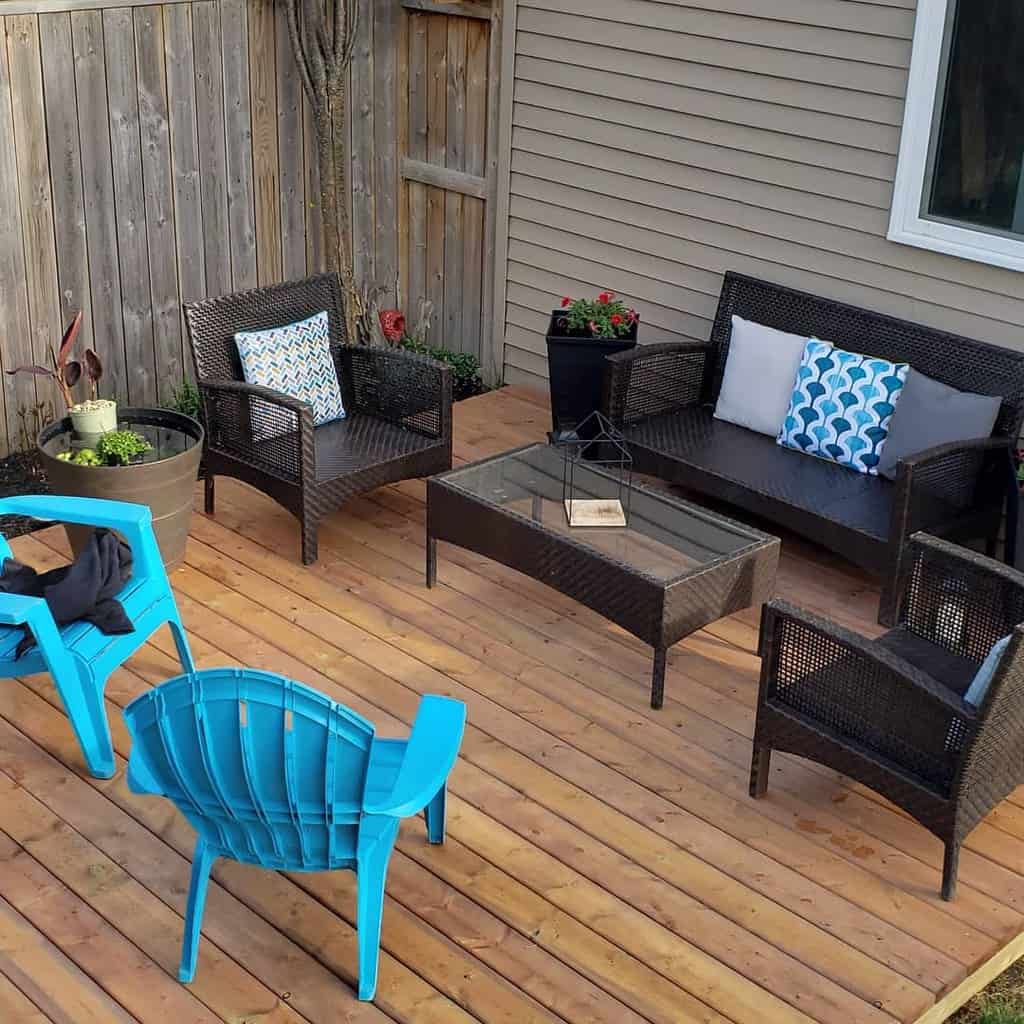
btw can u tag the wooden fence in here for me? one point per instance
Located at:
(152, 153)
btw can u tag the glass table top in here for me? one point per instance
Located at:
(664, 537)
(166, 440)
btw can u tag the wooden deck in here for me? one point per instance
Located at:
(604, 863)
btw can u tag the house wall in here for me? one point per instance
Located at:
(653, 145)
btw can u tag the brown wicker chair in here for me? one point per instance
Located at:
(889, 712)
(398, 405)
(663, 397)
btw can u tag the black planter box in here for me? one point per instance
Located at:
(576, 372)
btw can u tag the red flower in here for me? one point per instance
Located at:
(392, 323)
(566, 301)
(633, 317)
(605, 297)
(616, 319)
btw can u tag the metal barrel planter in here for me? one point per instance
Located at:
(164, 479)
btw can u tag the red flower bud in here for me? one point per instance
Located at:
(566, 301)
(616, 319)
(605, 297)
(392, 323)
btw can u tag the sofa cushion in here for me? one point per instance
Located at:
(751, 470)
(982, 680)
(842, 405)
(760, 371)
(930, 413)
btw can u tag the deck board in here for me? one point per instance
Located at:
(603, 865)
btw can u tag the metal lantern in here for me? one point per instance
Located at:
(597, 474)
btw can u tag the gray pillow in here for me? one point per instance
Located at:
(930, 413)
(760, 372)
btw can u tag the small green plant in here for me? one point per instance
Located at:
(81, 457)
(185, 399)
(1002, 1012)
(119, 447)
(466, 379)
(603, 317)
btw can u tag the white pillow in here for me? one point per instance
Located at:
(760, 371)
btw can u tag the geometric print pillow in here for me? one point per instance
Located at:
(842, 405)
(295, 360)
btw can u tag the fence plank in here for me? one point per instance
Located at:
(455, 159)
(65, 162)
(361, 139)
(156, 172)
(18, 392)
(238, 131)
(98, 189)
(401, 153)
(385, 127)
(437, 130)
(314, 217)
(464, 8)
(291, 157)
(416, 281)
(490, 351)
(188, 205)
(34, 184)
(133, 248)
(263, 106)
(474, 211)
(213, 168)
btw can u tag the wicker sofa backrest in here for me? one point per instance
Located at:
(960, 362)
(213, 323)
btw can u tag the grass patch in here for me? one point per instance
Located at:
(1001, 1003)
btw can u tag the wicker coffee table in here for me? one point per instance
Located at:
(674, 568)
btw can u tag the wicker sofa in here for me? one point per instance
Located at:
(398, 406)
(662, 397)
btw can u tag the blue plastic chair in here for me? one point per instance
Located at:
(78, 656)
(272, 773)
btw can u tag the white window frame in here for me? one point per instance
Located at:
(924, 91)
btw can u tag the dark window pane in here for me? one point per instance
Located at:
(979, 143)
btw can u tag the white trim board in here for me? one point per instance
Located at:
(906, 225)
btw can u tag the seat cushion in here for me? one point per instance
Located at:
(753, 464)
(842, 405)
(358, 442)
(952, 670)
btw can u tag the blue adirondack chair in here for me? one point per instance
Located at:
(272, 773)
(78, 656)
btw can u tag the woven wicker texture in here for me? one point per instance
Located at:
(399, 422)
(663, 397)
(889, 712)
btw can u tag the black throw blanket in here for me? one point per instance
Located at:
(83, 590)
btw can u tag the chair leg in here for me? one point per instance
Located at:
(370, 877)
(309, 543)
(82, 696)
(760, 764)
(950, 864)
(209, 493)
(202, 863)
(181, 643)
(434, 812)
(887, 604)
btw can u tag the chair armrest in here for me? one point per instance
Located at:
(133, 522)
(429, 757)
(853, 687)
(403, 387)
(20, 610)
(956, 598)
(650, 380)
(935, 485)
(227, 413)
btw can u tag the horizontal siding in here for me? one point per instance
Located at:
(656, 145)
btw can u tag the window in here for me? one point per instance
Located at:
(960, 179)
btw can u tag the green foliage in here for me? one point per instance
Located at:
(466, 378)
(81, 457)
(185, 399)
(119, 447)
(603, 317)
(1002, 1012)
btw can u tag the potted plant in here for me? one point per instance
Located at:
(93, 416)
(151, 460)
(579, 336)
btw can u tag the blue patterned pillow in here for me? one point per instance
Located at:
(841, 406)
(295, 360)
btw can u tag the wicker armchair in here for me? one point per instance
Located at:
(398, 407)
(890, 712)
